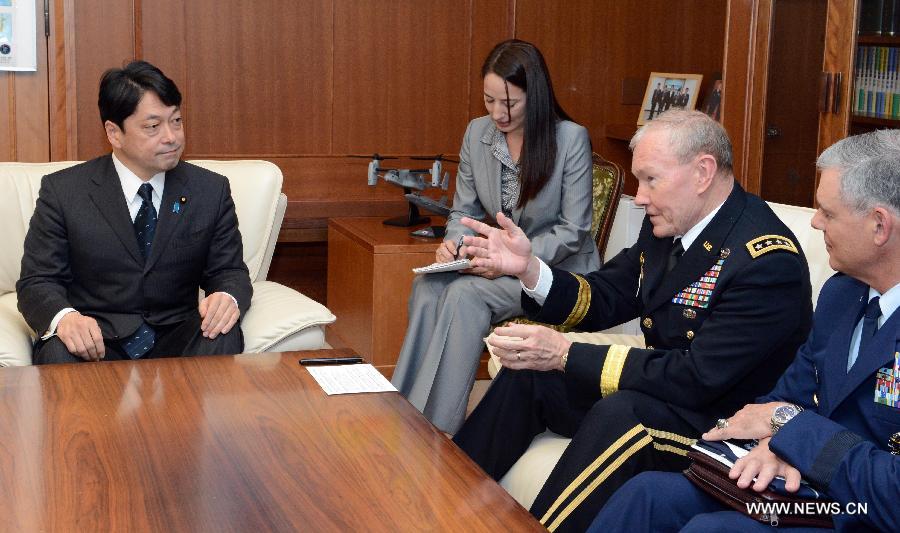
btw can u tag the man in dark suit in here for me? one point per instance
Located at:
(668, 98)
(721, 320)
(656, 101)
(118, 246)
(834, 417)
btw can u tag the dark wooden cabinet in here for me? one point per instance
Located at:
(834, 84)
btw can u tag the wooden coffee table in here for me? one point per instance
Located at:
(228, 443)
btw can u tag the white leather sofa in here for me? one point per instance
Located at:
(279, 318)
(525, 479)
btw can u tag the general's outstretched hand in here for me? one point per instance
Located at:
(504, 250)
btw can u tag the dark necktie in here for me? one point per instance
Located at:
(141, 341)
(145, 221)
(674, 254)
(870, 324)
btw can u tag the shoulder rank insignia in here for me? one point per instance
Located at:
(767, 243)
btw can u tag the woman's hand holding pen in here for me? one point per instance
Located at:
(449, 251)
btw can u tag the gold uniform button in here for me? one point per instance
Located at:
(648, 322)
(689, 334)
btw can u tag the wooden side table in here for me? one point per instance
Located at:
(369, 282)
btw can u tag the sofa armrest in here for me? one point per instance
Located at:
(16, 338)
(277, 312)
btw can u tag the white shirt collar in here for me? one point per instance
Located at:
(131, 182)
(888, 303)
(691, 235)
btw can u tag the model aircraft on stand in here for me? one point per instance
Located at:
(417, 179)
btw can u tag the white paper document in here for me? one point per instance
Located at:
(459, 264)
(350, 379)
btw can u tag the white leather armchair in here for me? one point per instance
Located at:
(525, 479)
(279, 318)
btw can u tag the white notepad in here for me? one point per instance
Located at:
(452, 266)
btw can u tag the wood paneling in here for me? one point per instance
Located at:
(102, 37)
(594, 48)
(305, 83)
(491, 22)
(580, 66)
(401, 81)
(24, 112)
(255, 80)
(7, 112)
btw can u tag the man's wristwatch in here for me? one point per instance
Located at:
(783, 414)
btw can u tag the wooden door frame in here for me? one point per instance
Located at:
(62, 85)
(750, 25)
(840, 52)
(745, 77)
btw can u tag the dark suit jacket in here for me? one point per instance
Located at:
(840, 442)
(705, 357)
(81, 250)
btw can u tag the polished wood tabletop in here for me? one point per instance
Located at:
(228, 443)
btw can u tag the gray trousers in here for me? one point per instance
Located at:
(449, 315)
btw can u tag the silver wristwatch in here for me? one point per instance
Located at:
(783, 414)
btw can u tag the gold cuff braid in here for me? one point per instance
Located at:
(582, 304)
(612, 368)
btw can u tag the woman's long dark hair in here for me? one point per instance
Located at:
(521, 64)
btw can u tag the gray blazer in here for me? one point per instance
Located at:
(558, 220)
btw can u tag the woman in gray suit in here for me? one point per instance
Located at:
(527, 159)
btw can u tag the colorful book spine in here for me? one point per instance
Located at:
(877, 82)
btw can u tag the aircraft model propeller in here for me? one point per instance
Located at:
(409, 180)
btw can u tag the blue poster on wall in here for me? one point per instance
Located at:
(18, 35)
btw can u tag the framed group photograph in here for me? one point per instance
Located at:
(713, 99)
(666, 91)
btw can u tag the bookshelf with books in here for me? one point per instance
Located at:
(876, 88)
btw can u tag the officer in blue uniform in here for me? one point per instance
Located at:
(721, 322)
(834, 417)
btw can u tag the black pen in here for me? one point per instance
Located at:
(458, 246)
(331, 361)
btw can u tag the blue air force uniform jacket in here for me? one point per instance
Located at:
(720, 328)
(840, 441)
